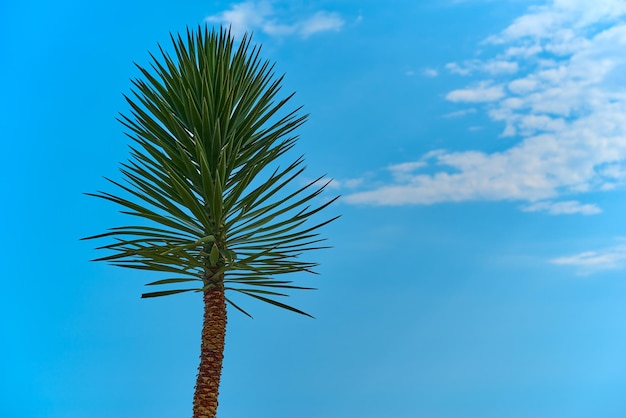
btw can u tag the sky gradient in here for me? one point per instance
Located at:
(477, 269)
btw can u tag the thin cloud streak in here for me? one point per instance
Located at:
(479, 94)
(460, 113)
(494, 67)
(568, 207)
(589, 262)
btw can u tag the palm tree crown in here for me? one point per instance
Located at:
(215, 210)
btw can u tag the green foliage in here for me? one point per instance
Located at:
(207, 127)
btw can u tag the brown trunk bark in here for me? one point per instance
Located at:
(211, 354)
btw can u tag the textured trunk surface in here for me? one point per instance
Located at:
(211, 354)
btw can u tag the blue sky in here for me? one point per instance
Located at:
(478, 267)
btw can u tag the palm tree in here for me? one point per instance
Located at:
(215, 211)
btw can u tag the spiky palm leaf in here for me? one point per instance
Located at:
(207, 126)
(207, 130)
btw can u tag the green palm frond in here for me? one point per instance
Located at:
(208, 128)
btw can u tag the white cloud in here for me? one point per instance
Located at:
(430, 72)
(406, 167)
(523, 85)
(562, 102)
(478, 94)
(526, 50)
(589, 262)
(500, 67)
(455, 68)
(403, 172)
(261, 16)
(568, 207)
(460, 113)
(243, 17)
(553, 20)
(494, 67)
(320, 22)
(352, 183)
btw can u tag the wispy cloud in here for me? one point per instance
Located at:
(319, 22)
(455, 68)
(481, 93)
(567, 207)
(590, 262)
(493, 66)
(557, 83)
(459, 113)
(262, 16)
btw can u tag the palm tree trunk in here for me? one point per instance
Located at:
(211, 353)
